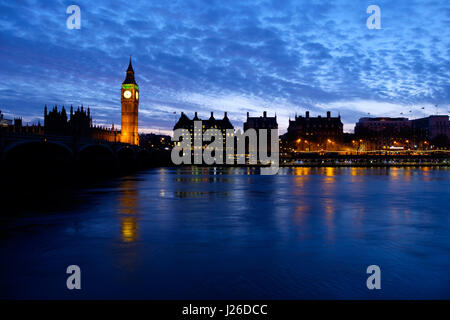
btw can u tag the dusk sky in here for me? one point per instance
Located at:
(281, 56)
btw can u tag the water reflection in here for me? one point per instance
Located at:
(302, 171)
(302, 175)
(197, 194)
(328, 201)
(128, 200)
(185, 233)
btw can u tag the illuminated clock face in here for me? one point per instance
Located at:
(137, 95)
(127, 94)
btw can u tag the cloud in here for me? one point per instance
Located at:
(237, 56)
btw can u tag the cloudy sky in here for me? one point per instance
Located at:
(282, 56)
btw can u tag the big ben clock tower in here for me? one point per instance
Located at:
(130, 102)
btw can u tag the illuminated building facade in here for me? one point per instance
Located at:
(130, 103)
(212, 123)
(155, 141)
(432, 127)
(402, 133)
(380, 133)
(382, 124)
(263, 122)
(315, 133)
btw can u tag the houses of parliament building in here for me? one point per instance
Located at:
(78, 122)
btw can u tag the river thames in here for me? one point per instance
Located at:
(231, 233)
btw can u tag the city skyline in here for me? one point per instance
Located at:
(210, 158)
(273, 58)
(205, 117)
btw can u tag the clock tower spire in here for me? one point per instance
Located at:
(130, 102)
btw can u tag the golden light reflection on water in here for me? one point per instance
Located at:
(129, 229)
(358, 174)
(302, 175)
(394, 173)
(329, 180)
(330, 218)
(302, 213)
(330, 171)
(328, 202)
(128, 211)
(302, 171)
(426, 173)
(329, 207)
(407, 173)
(325, 197)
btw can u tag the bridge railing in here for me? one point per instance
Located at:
(56, 138)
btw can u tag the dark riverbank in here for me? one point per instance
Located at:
(34, 181)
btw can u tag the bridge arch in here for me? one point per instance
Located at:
(96, 146)
(127, 147)
(30, 151)
(127, 156)
(96, 152)
(96, 158)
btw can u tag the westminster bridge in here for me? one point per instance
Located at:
(27, 150)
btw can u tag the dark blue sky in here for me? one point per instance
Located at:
(237, 56)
